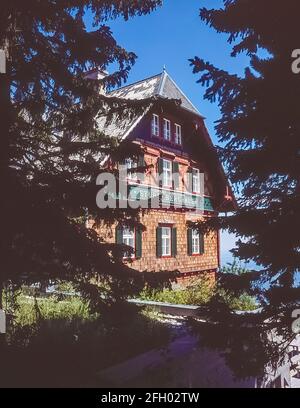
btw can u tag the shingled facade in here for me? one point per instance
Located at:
(177, 147)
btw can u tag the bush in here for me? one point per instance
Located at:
(200, 292)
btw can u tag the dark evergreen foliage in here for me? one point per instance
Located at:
(259, 131)
(50, 148)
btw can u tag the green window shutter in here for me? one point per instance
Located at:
(122, 162)
(119, 234)
(189, 241)
(201, 237)
(158, 242)
(160, 164)
(138, 243)
(176, 175)
(141, 163)
(174, 242)
(189, 181)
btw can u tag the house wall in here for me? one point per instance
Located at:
(182, 262)
(154, 148)
(153, 152)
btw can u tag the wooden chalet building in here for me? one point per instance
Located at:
(174, 140)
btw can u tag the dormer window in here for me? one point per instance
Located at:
(167, 129)
(178, 135)
(155, 125)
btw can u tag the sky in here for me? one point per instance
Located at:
(169, 37)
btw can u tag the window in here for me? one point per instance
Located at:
(195, 242)
(129, 240)
(196, 181)
(178, 138)
(166, 241)
(167, 173)
(167, 129)
(155, 125)
(131, 164)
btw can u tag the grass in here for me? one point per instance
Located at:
(55, 343)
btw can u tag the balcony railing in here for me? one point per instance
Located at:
(162, 198)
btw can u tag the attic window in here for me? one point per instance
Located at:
(178, 135)
(167, 129)
(155, 125)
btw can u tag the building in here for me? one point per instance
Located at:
(181, 167)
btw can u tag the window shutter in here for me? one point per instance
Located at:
(122, 162)
(176, 175)
(141, 163)
(174, 242)
(189, 241)
(119, 234)
(189, 181)
(160, 164)
(201, 238)
(158, 242)
(138, 243)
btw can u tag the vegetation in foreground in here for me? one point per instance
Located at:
(54, 342)
(202, 292)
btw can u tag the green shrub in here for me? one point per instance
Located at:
(200, 293)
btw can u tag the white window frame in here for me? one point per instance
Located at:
(155, 125)
(178, 134)
(166, 241)
(167, 129)
(128, 238)
(167, 173)
(196, 181)
(195, 242)
(131, 164)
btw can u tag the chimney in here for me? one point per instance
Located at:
(97, 75)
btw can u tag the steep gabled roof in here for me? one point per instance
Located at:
(161, 86)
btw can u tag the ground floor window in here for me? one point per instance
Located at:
(166, 241)
(129, 240)
(195, 242)
(131, 237)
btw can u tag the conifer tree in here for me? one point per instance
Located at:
(259, 131)
(50, 148)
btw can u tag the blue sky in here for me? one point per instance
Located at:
(170, 36)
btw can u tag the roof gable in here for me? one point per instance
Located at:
(161, 85)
